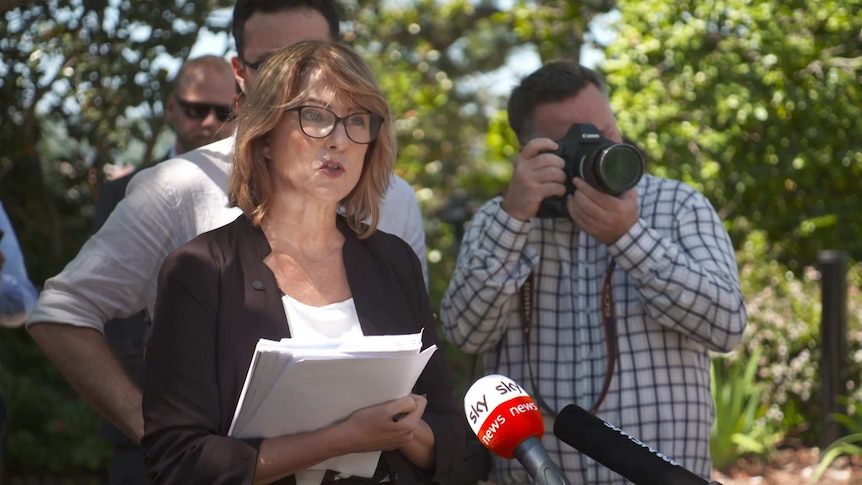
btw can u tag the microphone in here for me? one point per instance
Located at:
(619, 451)
(508, 422)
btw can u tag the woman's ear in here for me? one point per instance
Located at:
(267, 152)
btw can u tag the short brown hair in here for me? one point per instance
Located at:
(200, 70)
(244, 9)
(282, 84)
(555, 81)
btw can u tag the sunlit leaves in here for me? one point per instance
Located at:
(766, 91)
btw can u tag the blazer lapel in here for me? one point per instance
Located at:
(378, 299)
(262, 297)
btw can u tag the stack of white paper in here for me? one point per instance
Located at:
(294, 386)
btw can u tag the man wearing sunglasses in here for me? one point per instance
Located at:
(198, 110)
(115, 273)
(199, 107)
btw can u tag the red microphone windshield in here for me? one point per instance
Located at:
(501, 414)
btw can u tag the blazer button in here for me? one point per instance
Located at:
(257, 285)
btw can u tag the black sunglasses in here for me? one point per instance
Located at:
(199, 111)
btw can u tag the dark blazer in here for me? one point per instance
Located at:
(216, 298)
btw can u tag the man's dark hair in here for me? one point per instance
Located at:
(552, 82)
(244, 9)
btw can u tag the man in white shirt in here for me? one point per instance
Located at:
(165, 206)
(198, 109)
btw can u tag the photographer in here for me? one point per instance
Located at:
(594, 285)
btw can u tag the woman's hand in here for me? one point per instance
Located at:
(368, 429)
(396, 425)
(387, 426)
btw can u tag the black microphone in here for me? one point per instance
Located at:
(619, 451)
(509, 423)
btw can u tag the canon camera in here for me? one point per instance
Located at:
(610, 167)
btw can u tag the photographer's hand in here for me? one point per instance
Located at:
(537, 175)
(601, 215)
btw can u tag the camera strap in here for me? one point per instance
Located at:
(609, 322)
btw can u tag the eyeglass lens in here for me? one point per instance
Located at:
(199, 111)
(318, 122)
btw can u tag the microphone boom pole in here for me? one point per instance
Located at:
(620, 451)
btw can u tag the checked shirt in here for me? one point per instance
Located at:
(676, 297)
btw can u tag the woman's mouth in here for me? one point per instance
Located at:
(332, 167)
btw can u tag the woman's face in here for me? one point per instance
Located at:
(322, 169)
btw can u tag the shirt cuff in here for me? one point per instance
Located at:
(57, 307)
(505, 234)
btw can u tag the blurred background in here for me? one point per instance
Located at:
(756, 104)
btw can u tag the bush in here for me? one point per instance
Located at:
(783, 334)
(740, 426)
(849, 445)
(50, 430)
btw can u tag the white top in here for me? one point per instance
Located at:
(306, 322)
(115, 273)
(333, 321)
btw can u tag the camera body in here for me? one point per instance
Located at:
(610, 167)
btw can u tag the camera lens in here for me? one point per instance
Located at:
(619, 167)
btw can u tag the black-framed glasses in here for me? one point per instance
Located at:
(199, 111)
(318, 122)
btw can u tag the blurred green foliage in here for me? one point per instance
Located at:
(739, 404)
(780, 403)
(753, 103)
(849, 445)
(757, 104)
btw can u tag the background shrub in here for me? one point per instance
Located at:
(783, 334)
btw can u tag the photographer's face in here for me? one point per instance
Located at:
(553, 120)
